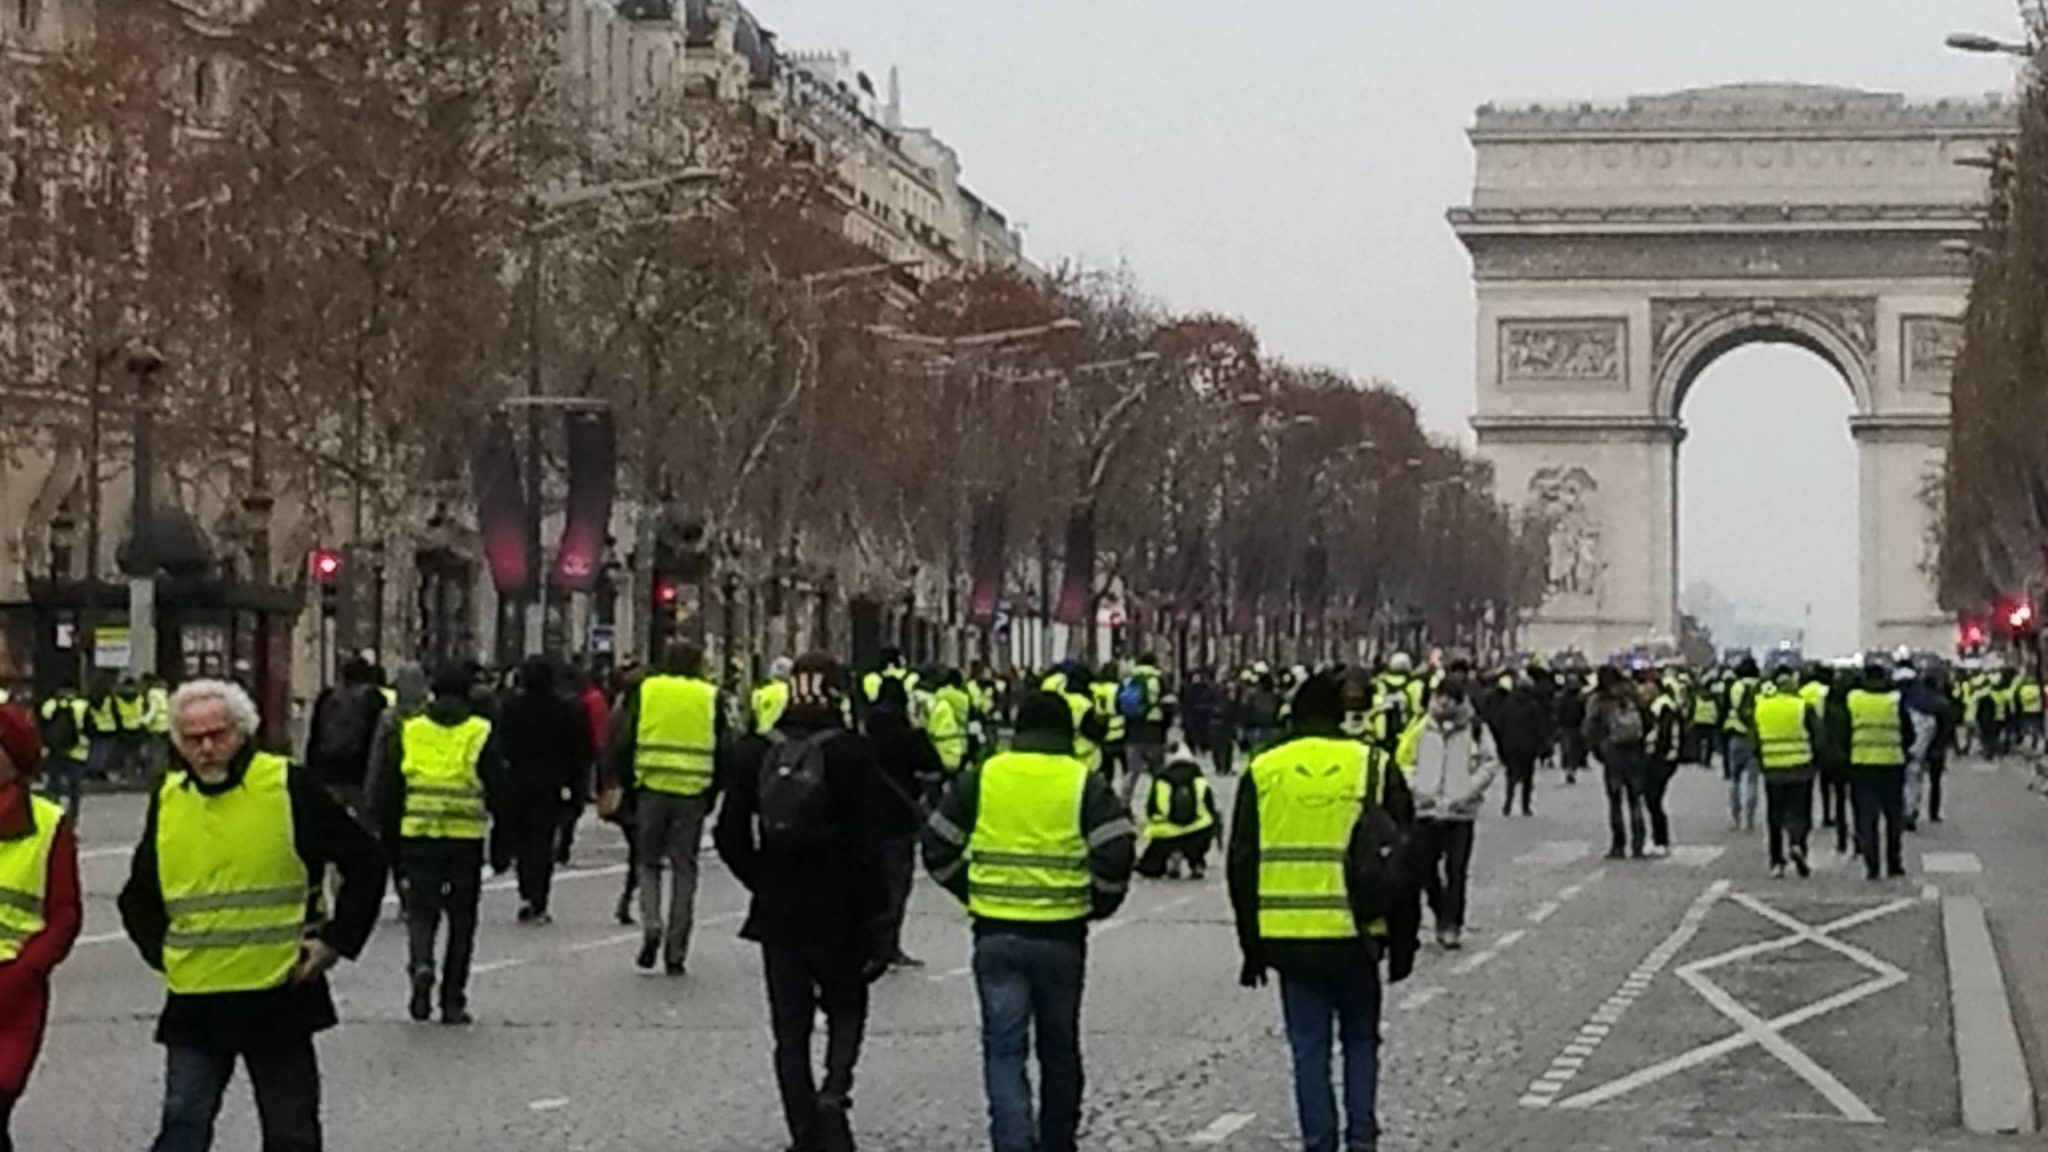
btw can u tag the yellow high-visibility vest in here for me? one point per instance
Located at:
(675, 747)
(1103, 697)
(1085, 750)
(770, 701)
(1159, 824)
(947, 729)
(234, 887)
(25, 878)
(1027, 858)
(444, 795)
(80, 746)
(1874, 738)
(1311, 792)
(1782, 741)
(1740, 694)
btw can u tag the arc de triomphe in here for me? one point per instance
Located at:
(1617, 251)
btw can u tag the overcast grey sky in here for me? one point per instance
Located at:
(1290, 161)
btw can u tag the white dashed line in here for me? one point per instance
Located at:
(1223, 1128)
(547, 1105)
(1544, 1091)
(1544, 911)
(1555, 852)
(612, 941)
(1479, 960)
(1951, 864)
(1420, 997)
(1930, 892)
(498, 966)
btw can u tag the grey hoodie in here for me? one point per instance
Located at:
(1454, 765)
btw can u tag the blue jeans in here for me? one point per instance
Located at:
(1743, 773)
(286, 1079)
(1028, 984)
(1349, 1009)
(64, 780)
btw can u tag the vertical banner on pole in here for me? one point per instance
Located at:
(501, 510)
(593, 481)
(1077, 587)
(987, 556)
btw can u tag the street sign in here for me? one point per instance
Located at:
(602, 640)
(110, 647)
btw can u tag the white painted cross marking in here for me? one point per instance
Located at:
(1557, 852)
(1696, 855)
(1223, 1128)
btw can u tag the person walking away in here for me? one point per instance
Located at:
(1259, 711)
(949, 723)
(1103, 687)
(1200, 703)
(1616, 730)
(665, 744)
(217, 901)
(1705, 721)
(1518, 725)
(1875, 726)
(1317, 837)
(1144, 703)
(40, 909)
(544, 739)
(1035, 844)
(103, 729)
(1924, 708)
(798, 829)
(1090, 727)
(1571, 727)
(1828, 761)
(770, 698)
(1181, 820)
(156, 726)
(131, 711)
(618, 804)
(1662, 753)
(911, 775)
(1740, 767)
(1946, 716)
(1450, 764)
(343, 730)
(1787, 732)
(61, 723)
(440, 778)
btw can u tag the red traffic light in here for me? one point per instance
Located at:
(2020, 615)
(665, 592)
(324, 564)
(1972, 634)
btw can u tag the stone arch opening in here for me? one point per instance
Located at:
(1697, 334)
(1766, 506)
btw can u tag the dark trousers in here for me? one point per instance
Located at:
(1656, 781)
(1937, 767)
(1318, 1013)
(285, 1075)
(1788, 812)
(1028, 985)
(7, 1100)
(1624, 783)
(444, 878)
(1879, 795)
(1446, 858)
(1193, 848)
(899, 872)
(1706, 741)
(527, 834)
(1521, 771)
(1834, 797)
(804, 980)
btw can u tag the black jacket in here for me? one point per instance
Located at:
(338, 741)
(326, 836)
(1520, 721)
(545, 740)
(387, 768)
(1319, 959)
(831, 894)
(1105, 823)
(909, 770)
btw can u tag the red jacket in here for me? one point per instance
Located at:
(25, 982)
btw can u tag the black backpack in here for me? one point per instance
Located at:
(345, 726)
(793, 804)
(60, 727)
(1383, 869)
(1181, 809)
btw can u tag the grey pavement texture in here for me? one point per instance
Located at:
(576, 1050)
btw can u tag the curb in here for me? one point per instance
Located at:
(1998, 1094)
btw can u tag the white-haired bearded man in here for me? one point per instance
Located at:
(223, 898)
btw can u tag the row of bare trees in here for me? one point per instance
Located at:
(357, 227)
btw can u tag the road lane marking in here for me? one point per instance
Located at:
(547, 1105)
(508, 883)
(498, 965)
(1555, 852)
(1544, 911)
(1223, 1128)
(1930, 892)
(1545, 1089)
(1420, 997)
(1951, 863)
(1098, 933)
(611, 941)
(1695, 855)
(1769, 1034)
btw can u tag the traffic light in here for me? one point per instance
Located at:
(2019, 616)
(324, 565)
(1971, 637)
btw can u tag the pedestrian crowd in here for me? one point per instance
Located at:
(1033, 801)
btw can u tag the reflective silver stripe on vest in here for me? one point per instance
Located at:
(1024, 893)
(232, 937)
(1334, 902)
(220, 901)
(1029, 860)
(1273, 855)
(12, 935)
(674, 749)
(26, 901)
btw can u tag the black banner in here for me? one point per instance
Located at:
(987, 556)
(501, 509)
(593, 482)
(1077, 585)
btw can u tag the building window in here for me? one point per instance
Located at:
(202, 89)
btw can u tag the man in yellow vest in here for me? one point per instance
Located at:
(771, 699)
(1311, 901)
(439, 777)
(156, 725)
(1102, 689)
(40, 909)
(1036, 845)
(1741, 768)
(667, 741)
(1871, 721)
(2030, 703)
(218, 899)
(892, 668)
(1180, 820)
(1788, 731)
(949, 720)
(64, 727)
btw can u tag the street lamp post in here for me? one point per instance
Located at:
(144, 364)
